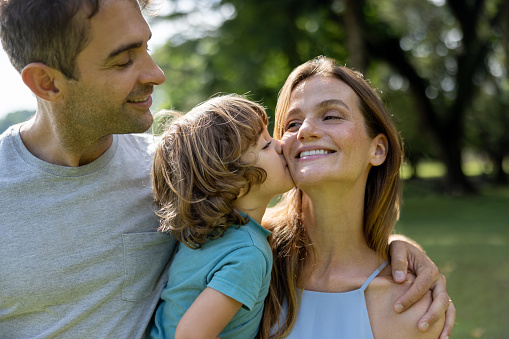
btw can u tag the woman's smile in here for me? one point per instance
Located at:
(313, 153)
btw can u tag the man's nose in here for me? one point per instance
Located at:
(152, 74)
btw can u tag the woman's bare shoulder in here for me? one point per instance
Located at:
(385, 322)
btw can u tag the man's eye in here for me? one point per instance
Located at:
(267, 145)
(125, 65)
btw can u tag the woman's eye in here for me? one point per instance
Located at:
(332, 117)
(267, 145)
(292, 126)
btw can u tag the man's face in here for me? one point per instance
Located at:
(116, 74)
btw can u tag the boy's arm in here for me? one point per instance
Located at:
(405, 256)
(208, 315)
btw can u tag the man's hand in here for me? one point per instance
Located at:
(407, 255)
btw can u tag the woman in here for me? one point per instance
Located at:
(331, 233)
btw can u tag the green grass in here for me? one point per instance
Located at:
(468, 239)
(435, 169)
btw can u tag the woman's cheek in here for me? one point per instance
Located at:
(286, 144)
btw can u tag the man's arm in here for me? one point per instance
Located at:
(406, 254)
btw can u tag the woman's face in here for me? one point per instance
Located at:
(325, 138)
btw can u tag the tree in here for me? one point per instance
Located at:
(489, 124)
(14, 118)
(436, 48)
(439, 50)
(252, 52)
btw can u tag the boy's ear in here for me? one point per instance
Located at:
(45, 82)
(381, 145)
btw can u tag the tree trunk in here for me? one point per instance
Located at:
(446, 140)
(354, 35)
(456, 183)
(501, 177)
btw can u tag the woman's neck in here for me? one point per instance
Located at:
(335, 229)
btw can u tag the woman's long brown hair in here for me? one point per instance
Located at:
(289, 241)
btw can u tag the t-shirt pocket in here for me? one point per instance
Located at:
(145, 257)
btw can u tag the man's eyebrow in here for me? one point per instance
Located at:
(333, 102)
(126, 47)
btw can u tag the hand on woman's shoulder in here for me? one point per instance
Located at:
(385, 322)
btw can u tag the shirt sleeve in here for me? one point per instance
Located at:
(240, 275)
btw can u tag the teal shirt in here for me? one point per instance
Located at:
(238, 265)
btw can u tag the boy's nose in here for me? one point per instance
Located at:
(277, 145)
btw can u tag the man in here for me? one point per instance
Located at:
(79, 253)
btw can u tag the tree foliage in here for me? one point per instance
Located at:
(14, 118)
(438, 63)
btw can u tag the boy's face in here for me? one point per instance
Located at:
(269, 156)
(116, 73)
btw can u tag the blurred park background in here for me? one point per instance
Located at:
(441, 68)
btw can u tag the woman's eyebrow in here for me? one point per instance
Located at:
(333, 103)
(292, 111)
(322, 104)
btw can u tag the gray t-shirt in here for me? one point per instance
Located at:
(79, 253)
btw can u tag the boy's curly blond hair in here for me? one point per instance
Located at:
(198, 171)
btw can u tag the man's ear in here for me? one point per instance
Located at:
(45, 82)
(381, 148)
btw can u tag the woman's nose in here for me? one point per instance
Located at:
(309, 130)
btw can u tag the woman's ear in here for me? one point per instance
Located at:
(43, 81)
(381, 148)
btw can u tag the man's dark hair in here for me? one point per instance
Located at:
(46, 31)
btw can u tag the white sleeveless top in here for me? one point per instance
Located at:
(333, 315)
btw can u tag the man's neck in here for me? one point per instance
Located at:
(46, 141)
